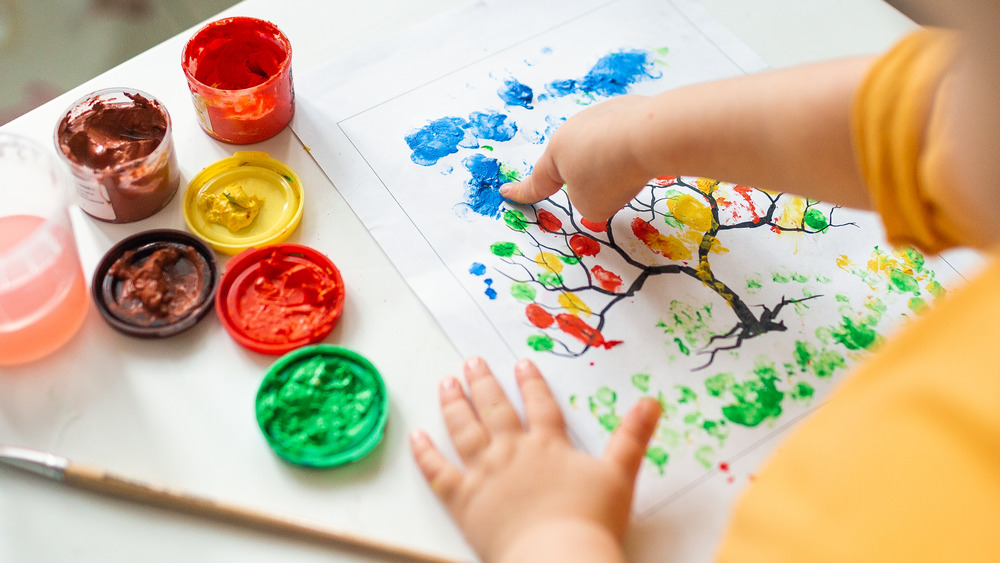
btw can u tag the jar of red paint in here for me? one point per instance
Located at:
(239, 71)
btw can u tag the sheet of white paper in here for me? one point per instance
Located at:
(739, 342)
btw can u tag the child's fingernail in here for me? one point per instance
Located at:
(650, 408)
(474, 363)
(418, 439)
(506, 189)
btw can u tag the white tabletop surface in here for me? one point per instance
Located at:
(180, 411)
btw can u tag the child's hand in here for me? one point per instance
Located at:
(526, 494)
(593, 153)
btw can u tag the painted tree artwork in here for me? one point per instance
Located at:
(737, 308)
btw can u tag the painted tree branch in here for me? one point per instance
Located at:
(550, 237)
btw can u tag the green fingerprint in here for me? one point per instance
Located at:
(515, 220)
(659, 457)
(802, 391)
(550, 280)
(815, 219)
(718, 429)
(641, 382)
(755, 401)
(505, 249)
(855, 336)
(540, 342)
(523, 291)
(902, 281)
(606, 396)
(508, 174)
(705, 455)
(687, 395)
(719, 384)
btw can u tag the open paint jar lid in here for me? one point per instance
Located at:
(155, 283)
(322, 406)
(277, 298)
(248, 199)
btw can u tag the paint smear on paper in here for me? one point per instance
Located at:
(488, 174)
(514, 93)
(612, 75)
(444, 136)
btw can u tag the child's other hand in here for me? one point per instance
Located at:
(526, 494)
(593, 154)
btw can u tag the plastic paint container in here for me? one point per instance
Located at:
(239, 71)
(43, 295)
(118, 144)
(274, 299)
(322, 406)
(263, 194)
(155, 284)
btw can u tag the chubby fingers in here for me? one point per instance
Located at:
(540, 408)
(543, 181)
(492, 406)
(443, 477)
(466, 430)
(628, 443)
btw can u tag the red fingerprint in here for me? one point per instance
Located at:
(608, 280)
(575, 327)
(548, 222)
(583, 245)
(538, 316)
(744, 192)
(595, 227)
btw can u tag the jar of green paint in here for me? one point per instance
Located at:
(322, 406)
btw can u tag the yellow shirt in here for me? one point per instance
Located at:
(903, 462)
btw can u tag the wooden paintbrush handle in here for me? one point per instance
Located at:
(97, 480)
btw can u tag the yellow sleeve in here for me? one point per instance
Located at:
(890, 121)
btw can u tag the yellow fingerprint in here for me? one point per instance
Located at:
(691, 211)
(671, 247)
(706, 185)
(792, 211)
(879, 262)
(573, 304)
(549, 261)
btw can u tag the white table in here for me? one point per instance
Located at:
(180, 411)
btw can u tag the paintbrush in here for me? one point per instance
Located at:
(97, 480)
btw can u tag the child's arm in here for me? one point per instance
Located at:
(526, 494)
(783, 131)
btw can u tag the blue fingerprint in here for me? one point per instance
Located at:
(444, 136)
(477, 269)
(483, 195)
(611, 76)
(513, 93)
(490, 292)
(437, 139)
(491, 125)
(559, 88)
